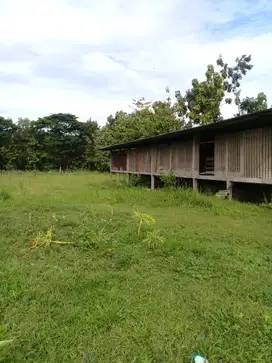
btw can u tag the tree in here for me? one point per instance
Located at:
(252, 104)
(201, 104)
(7, 129)
(60, 141)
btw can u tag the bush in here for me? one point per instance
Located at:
(135, 180)
(169, 180)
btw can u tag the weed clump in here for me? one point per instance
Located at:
(169, 180)
(4, 195)
(135, 180)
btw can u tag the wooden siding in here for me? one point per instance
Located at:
(257, 153)
(234, 153)
(181, 158)
(161, 160)
(139, 161)
(239, 156)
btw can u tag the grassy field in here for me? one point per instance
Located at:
(197, 280)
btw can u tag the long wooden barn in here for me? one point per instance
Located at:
(238, 150)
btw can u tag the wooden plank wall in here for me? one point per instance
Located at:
(181, 158)
(257, 153)
(161, 159)
(246, 154)
(139, 160)
(234, 153)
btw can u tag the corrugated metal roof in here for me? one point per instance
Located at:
(253, 120)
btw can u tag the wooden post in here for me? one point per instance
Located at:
(118, 178)
(152, 181)
(127, 178)
(195, 184)
(229, 187)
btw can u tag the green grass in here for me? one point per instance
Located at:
(115, 297)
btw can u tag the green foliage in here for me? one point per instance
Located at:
(252, 104)
(118, 302)
(154, 239)
(4, 343)
(53, 142)
(201, 104)
(143, 219)
(45, 239)
(4, 195)
(169, 180)
(135, 180)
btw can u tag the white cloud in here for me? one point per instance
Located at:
(91, 58)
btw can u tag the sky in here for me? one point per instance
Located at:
(91, 58)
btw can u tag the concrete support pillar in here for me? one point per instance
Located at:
(195, 184)
(230, 187)
(152, 182)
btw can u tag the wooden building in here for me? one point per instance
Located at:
(236, 150)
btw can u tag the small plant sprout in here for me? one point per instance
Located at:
(154, 239)
(46, 239)
(143, 219)
(112, 203)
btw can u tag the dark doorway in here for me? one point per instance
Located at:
(206, 158)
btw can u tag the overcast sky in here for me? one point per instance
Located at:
(91, 57)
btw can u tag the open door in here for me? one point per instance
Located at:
(206, 158)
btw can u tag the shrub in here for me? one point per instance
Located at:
(154, 239)
(135, 180)
(169, 180)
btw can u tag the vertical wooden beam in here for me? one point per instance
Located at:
(242, 155)
(152, 181)
(127, 178)
(128, 156)
(170, 158)
(230, 187)
(194, 157)
(195, 184)
(194, 165)
(227, 157)
(118, 178)
(152, 161)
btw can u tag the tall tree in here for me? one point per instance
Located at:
(60, 140)
(7, 129)
(201, 104)
(252, 104)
